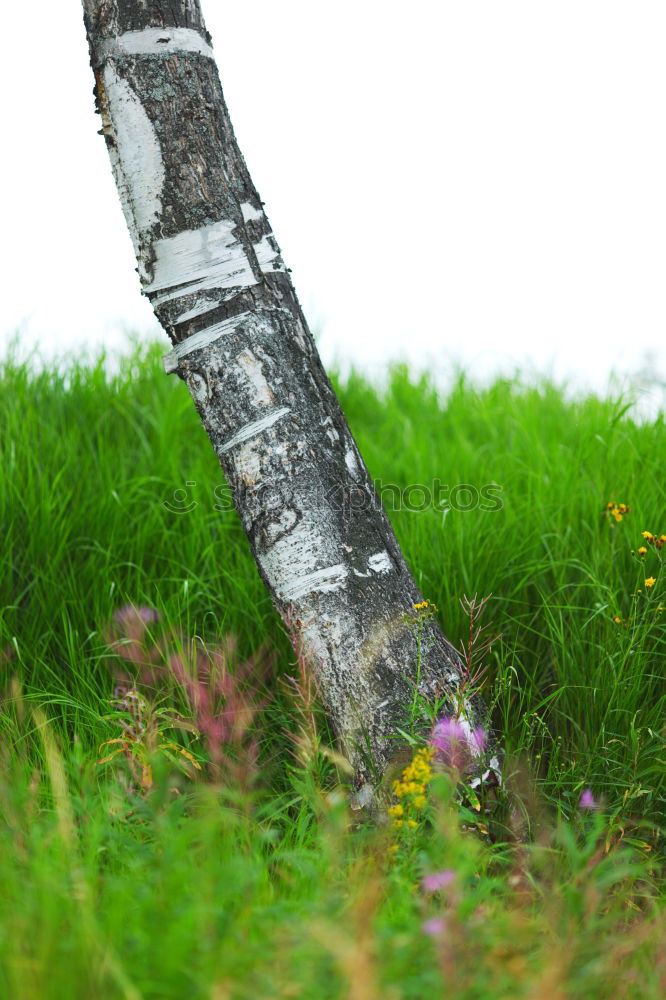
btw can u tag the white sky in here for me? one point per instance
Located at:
(475, 181)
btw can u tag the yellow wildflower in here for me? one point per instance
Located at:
(617, 620)
(425, 608)
(642, 550)
(648, 535)
(617, 510)
(650, 582)
(410, 788)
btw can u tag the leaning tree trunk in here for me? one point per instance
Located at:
(213, 272)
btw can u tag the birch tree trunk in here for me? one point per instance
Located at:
(212, 269)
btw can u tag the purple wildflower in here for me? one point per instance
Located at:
(438, 880)
(456, 745)
(128, 613)
(587, 800)
(480, 738)
(434, 927)
(130, 633)
(446, 732)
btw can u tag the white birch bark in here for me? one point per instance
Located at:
(212, 269)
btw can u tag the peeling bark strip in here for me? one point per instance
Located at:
(213, 272)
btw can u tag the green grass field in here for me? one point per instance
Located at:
(249, 877)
